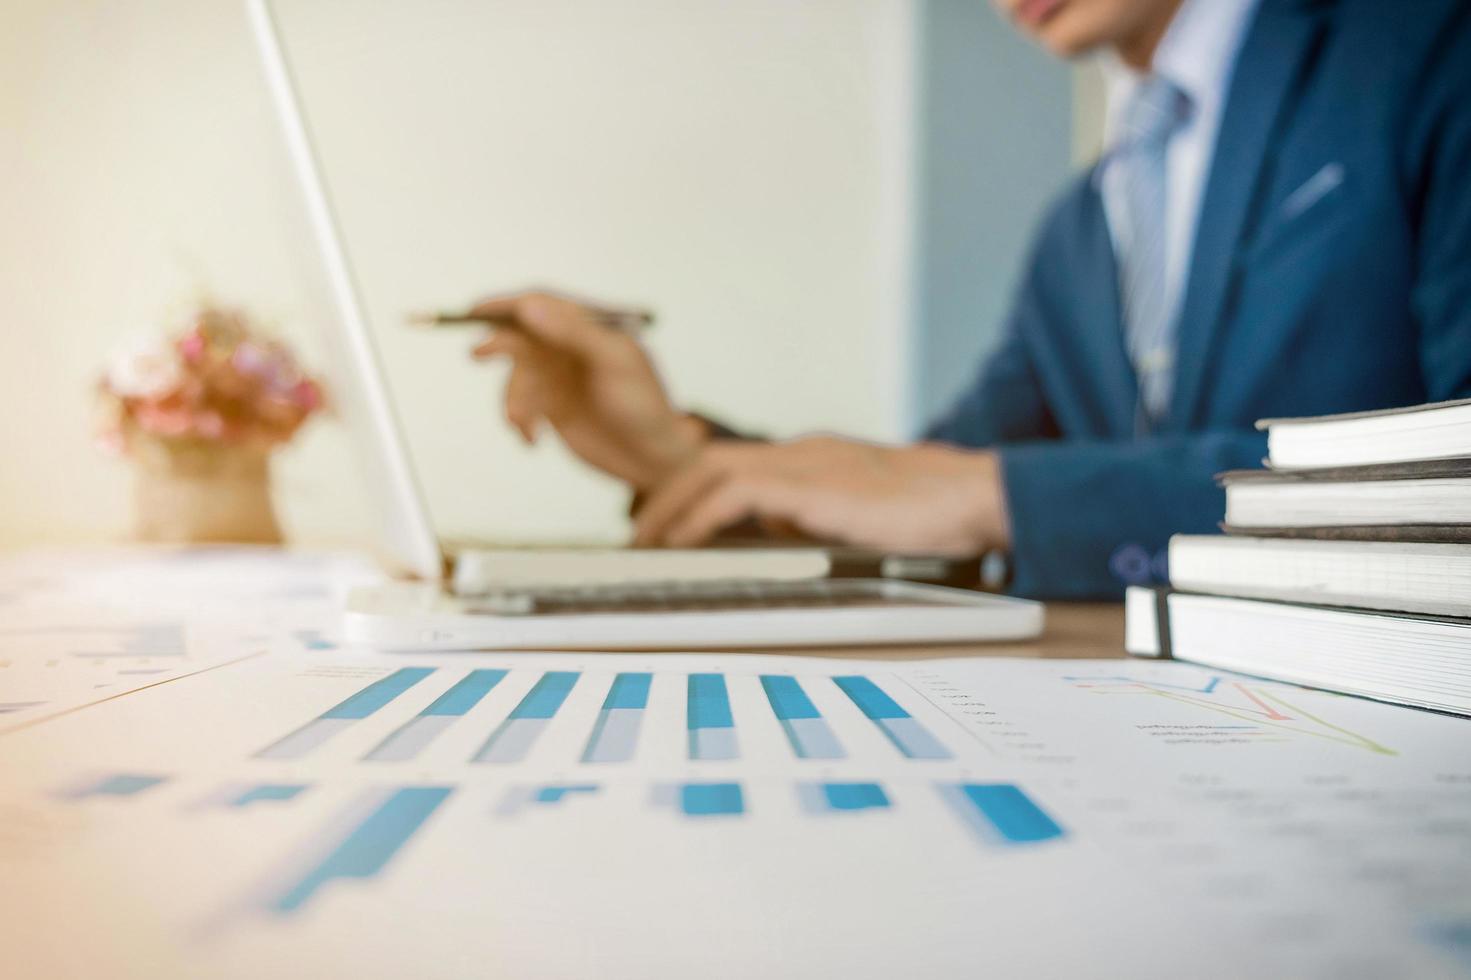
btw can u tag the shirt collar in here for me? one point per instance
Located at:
(1201, 45)
(1196, 53)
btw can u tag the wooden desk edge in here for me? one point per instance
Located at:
(1074, 630)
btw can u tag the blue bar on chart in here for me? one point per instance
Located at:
(700, 800)
(313, 640)
(1000, 813)
(809, 734)
(414, 735)
(238, 796)
(907, 734)
(711, 728)
(369, 843)
(615, 733)
(115, 784)
(822, 798)
(519, 797)
(265, 793)
(513, 739)
(344, 715)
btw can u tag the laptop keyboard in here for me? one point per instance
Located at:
(708, 596)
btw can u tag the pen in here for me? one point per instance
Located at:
(631, 321)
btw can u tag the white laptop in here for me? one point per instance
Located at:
(469, 599)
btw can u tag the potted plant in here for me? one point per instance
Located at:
(200, 413)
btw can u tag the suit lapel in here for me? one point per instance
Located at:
(1096, 293)
(1268, 73)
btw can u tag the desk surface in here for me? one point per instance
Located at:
(626, 815)
(1075, 630)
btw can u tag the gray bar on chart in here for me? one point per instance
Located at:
(305, 738)
(814, 740)
(511, 741)
(713, 743)
(913, 739)
(616, 737)
(411, 739)
(812, 798)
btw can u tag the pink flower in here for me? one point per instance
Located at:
(191, 346)
(307, 395)
(209, 425)
(213, 382)
(269, 365)
(249, 358)
(164, 421)
(144, 367)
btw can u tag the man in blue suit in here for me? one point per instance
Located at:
(1281, 226)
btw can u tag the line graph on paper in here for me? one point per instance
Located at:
(1261, 712)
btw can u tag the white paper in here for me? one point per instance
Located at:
(1201, 824)
(81, 627)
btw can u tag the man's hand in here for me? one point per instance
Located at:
(925, 498)
(595, 385)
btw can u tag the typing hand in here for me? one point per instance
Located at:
(925, 498)
(595, 385)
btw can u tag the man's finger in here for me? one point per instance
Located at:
(549, 366)
(502, 343)
(521, 406)
(730, 502)
(671, 498)
(550, 319)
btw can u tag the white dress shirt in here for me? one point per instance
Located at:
(1197, 53)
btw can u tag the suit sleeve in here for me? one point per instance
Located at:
(1438, 173)
(1088, 517)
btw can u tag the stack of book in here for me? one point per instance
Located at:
(1346, 564)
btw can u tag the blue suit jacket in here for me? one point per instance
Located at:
(1331, 272)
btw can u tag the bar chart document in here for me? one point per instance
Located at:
(314, 811)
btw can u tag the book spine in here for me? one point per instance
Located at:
(1181, 648)
(1147, 622)
(1407, 533)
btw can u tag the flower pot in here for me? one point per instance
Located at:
(189, 491)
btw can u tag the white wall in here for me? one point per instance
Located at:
(742, 167)
(1089, 111)
(994, 125)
